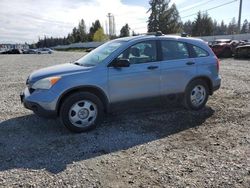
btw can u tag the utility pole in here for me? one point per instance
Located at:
(109, 20)
(111, 24)
(239, 19)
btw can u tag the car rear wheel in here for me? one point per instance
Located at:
(81, 112)
(196, 95)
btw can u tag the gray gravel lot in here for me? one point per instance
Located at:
(152, 147)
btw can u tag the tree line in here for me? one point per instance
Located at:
(163, 17)
(203, 25)
(166, 18)
(78, 34)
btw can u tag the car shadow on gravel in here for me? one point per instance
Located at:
(30, 142)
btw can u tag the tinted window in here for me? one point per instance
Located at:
(200, 52)
(142, 52)
(174, 50)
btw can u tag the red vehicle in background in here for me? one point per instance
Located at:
(223, 47)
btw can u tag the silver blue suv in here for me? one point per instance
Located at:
(123, 70)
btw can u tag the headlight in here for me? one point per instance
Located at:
(45, 83)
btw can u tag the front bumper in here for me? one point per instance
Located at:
(35, 107)
(216, 88)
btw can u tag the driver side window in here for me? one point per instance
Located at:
(143, 52)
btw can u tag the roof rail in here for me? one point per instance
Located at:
(184, 34)
(157, 33)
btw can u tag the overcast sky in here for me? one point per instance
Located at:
(25, 20)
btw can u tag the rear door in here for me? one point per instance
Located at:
(141, 79)
(177, 68)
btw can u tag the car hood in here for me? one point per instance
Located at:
(55, 71)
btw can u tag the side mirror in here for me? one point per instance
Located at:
(121, 63)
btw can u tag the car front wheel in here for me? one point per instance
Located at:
(196, 95)
(81, 112)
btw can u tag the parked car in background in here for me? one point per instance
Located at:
(13, 51)
(141, 68)
(242, 51)
(44, 51)
(30, 51)
(210, 43)
(222, 48)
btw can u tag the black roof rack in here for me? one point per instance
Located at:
(184, 34)
(157, 33)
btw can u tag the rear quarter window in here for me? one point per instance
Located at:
(199, 52)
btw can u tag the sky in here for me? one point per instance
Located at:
(27, 20)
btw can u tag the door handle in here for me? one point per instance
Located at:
(152, 67)
(190, 63)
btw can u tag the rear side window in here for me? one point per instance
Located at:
(174, 50)
(199, 52)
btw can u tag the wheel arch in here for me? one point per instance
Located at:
(91, 89)
(207, 80)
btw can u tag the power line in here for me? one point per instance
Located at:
(224, 4)
(198, 5)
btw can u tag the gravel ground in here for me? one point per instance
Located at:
(156, 147)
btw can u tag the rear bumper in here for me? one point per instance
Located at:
(216, 84)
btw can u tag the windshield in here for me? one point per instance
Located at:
(99, 54)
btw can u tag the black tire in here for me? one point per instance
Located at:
(187, 96)
(73, 99)
(236, 54)
(227, 53)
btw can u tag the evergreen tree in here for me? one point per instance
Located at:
(70, 38)
(82, 31)
(163, 18)
(203, 25)
(124, 32)
(223, 28)
(95, 26)
(216, 28)
(188, 27)
(75, 35)
(171, 21)
(232, 27)
(245, 27)
(156, 12)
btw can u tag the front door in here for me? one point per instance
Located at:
(141, 79)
